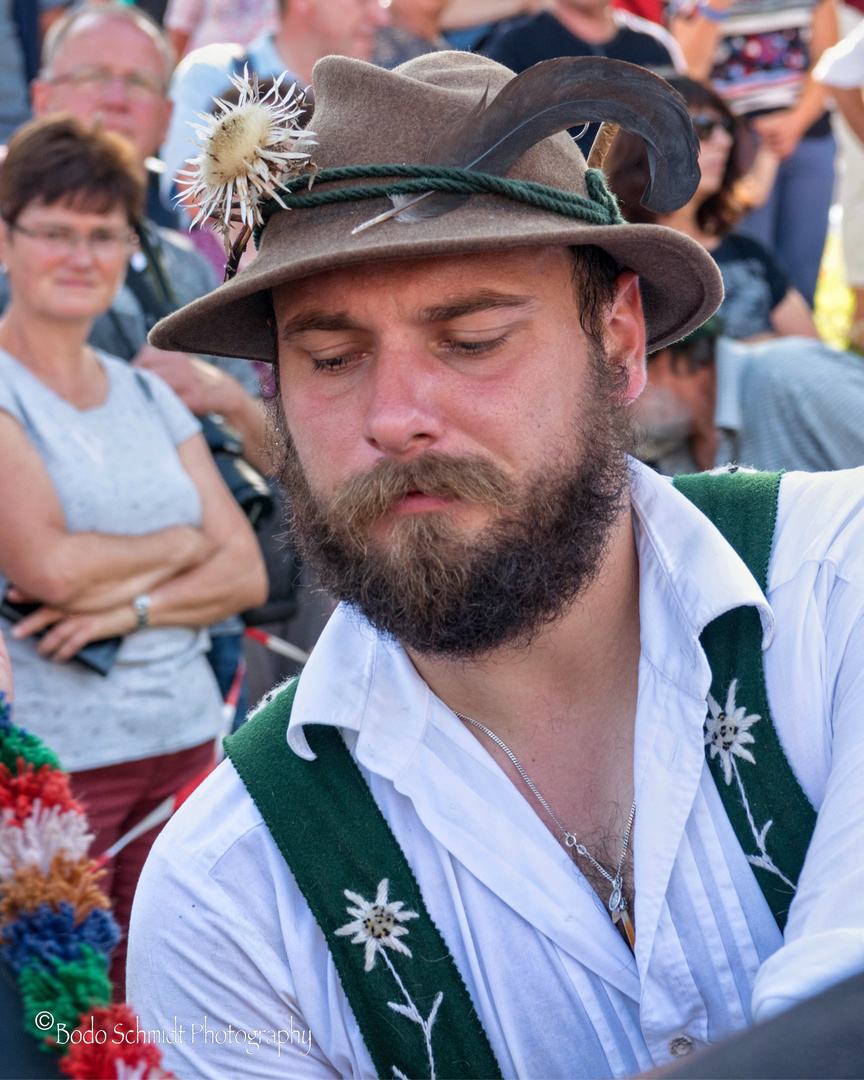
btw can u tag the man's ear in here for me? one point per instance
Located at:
(625, 333)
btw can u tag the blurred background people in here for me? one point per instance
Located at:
(760, 300)
(110, 65)
(469, 24)
(758, 55)
(585, 28)
(782, 403)
(192, 24)
(22, 24)
(120, 523)
(841, 69)
(414, 29)
(754, 385)
(307, 30)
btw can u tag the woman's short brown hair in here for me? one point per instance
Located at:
(56, 159)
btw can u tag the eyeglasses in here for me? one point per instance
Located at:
(59, 241)
(704, 124)
(96, 82)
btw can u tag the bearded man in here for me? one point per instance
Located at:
(508, 771)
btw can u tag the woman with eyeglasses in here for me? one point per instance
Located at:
(760, 301)
(116, 525)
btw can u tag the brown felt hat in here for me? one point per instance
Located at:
(365, 115)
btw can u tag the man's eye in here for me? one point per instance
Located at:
(58, 236)
(334, 363)
(474, 348)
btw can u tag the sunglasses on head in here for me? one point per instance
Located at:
(705, 123)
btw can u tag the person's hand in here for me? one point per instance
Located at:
(780, 132)
(7, 685)
(202, 387)
(68, 634)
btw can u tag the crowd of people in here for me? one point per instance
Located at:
(382, 419)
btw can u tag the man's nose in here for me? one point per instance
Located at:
(403, 413)
(115, 90)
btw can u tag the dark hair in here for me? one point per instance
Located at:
(626, 166)
(594, 275)
(56, 159)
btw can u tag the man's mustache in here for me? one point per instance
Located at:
(368, 496)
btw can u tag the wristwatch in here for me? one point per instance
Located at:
(142, 610)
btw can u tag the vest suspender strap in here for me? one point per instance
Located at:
(772, 817)
(414, 1011)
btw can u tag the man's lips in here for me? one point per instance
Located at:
(419, 502)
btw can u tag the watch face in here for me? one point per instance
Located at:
(141, 604)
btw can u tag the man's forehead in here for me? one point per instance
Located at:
(430, 283)
(95, 30)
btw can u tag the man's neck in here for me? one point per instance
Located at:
(571, 676)
(593, 24)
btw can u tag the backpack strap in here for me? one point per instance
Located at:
(772, 817)
(413, 1009)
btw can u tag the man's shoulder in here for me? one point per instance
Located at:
(527, 26)
(526, 40)
(740, 246)
(642, 41)
(216, 830)
(175, 241)
(221, 58)
(190, 273)
(820, 520)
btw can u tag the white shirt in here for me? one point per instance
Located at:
(220, 929)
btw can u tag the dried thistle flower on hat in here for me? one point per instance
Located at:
(249, 150)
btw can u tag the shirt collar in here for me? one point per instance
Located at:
(359, 681)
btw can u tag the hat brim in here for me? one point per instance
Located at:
(680, 283)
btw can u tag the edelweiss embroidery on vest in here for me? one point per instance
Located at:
(727, 733)
(376, 926)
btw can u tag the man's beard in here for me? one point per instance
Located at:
(440, 591)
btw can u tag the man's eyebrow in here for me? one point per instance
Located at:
(317, 320)
(485, 300)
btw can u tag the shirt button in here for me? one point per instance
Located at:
(681, 1045)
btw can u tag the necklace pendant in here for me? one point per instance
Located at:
(628, 927)
(620, 915)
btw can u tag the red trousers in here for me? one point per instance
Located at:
(117, 797)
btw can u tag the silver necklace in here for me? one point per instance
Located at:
(617, 902)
